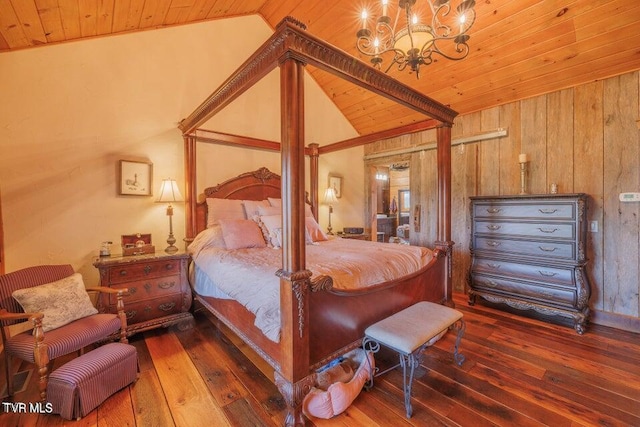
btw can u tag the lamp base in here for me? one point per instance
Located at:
(171, 240)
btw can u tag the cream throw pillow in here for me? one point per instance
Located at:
(61, 302)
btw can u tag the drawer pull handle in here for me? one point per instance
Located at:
(494, 227)
(493, 210)
(167, 306)
(548, 230)
(547, 273)
(123, 272)
(547, 248)
(166, 285)
(147, 269)
(169, 266)
(131, 314)
(494, 244)
(147, 286)
(132, 291)
(491, 284)
(496, 266)
(548, 211)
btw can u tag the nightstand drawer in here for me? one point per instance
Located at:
(139, 271)
(561, 276)
(548, 294)
(152, 308)
(144, 289)
(527, 229)
(538, 210)
(560, 250)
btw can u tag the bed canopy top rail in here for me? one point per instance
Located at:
(291, 40)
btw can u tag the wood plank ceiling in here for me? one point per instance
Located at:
(519, 48)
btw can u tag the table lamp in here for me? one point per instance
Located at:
(169, 193)
(329, 199)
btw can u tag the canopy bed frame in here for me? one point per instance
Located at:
(317, 322)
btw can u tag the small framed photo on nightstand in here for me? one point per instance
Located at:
(135, 178)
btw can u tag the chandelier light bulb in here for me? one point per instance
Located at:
(414, 19)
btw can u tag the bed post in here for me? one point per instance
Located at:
(191, 197)
(443, 242)
(314, 154)
(293, 379)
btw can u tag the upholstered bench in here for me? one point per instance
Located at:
(81, 385)
(409, 332)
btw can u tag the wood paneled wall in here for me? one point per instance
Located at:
(584, 139)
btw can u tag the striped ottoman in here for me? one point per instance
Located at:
(81, 385)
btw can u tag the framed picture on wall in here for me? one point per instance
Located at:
(335, 182)
(135, 178)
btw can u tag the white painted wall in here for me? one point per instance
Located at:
(70, 112)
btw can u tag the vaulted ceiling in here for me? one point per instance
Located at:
(519, 48)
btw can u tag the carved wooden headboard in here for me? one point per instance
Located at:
(256, 185)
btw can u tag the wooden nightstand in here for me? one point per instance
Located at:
(362, 236)
(159, 293)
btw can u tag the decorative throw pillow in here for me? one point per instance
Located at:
(62, 301)
(218, 209)
(241, 234)
(273, 224)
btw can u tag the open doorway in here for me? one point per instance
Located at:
(393, 201)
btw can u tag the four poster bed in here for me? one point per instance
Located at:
(319, 316)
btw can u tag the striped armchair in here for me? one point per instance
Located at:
(31, 344)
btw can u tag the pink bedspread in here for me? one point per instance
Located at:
(248, 275)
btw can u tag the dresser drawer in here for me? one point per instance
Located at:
(538, 210)
(559, 250)
(152, 308)
(547, 294)
(560, 276)
(144, 289)
(527, 229)
(143, 270)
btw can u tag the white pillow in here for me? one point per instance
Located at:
(218, 209)
(277, 203)
(62, 301)
(269, 210)
(207, 238)
(317, 235)
(251, 207)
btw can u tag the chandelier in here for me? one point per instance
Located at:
(413, 42)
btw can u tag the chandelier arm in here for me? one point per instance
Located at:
(464, 50)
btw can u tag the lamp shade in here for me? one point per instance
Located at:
(330, 196)
(169, 192)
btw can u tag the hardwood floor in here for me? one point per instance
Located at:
(518, 372)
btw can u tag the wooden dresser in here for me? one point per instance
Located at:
(159, 293)
(530, 252)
